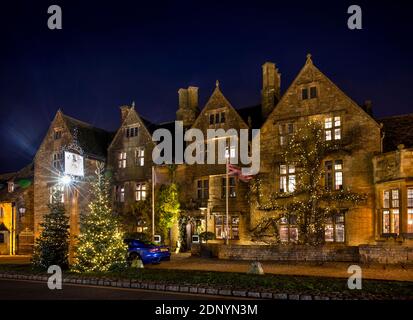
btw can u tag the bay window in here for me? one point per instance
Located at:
(410, 210)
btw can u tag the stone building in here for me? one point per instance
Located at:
(16, 212)
(379, 166)
(87, 145)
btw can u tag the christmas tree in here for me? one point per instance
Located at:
(52, 247)
(100, 246)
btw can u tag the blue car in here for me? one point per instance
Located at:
(147, 251)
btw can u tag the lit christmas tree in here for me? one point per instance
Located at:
(52, 247)
(100, 246)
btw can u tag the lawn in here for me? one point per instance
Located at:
(333, 287)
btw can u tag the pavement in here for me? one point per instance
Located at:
(35, 290)
(184, 261)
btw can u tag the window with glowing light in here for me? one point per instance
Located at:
(287, 228)
(333, 171)
(287, 178)
(332, 128)
(410, 210)
(53, 190)
(122, 160)
(140, 191)
(391, 211)
(119, 193)
(334, 228)
(10, 186)
(221, 225)
(140, 156)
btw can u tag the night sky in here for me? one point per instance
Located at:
(109, 54)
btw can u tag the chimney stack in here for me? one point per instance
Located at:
(188, 106)
(270, 93)
(368, 107)
(124, 110)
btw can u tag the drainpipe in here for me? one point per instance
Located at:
(13, 231)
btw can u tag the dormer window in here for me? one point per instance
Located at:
(10, 186)
(131, 132)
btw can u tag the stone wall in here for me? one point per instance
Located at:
(284, 252)
(386, 254)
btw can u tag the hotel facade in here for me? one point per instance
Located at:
(379, 166)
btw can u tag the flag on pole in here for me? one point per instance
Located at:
(236, 171)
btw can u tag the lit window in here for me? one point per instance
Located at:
(53, 190)
(131, 132)
(332, 128)
(120, 193)
(333, 175)
(288, 231)
(140, 156)
(334, 228)
(391, 211)
(410, 210)
(203, 189)
(140, 191)
(122, 160)
(10, 186)
(221, 225)
(287, 178)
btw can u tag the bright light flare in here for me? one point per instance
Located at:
(66, 180)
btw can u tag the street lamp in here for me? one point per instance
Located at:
(66, 180)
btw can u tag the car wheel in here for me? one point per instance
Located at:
(134, 256)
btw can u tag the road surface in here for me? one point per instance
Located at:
(36, 290)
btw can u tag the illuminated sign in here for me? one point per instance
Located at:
(73, 164)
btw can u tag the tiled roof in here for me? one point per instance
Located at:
(397, 130)
(94, 141)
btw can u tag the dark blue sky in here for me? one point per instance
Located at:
(109, 54)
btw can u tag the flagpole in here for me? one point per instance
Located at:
(153, 203)
(226, 203)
